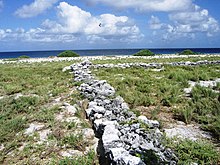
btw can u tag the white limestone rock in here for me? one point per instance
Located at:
(121, 156)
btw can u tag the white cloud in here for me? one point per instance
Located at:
(34, 35)
(186, 24)
(74, 20)
(148, 5)
(75, 24)
(35, 8)
(195, 21)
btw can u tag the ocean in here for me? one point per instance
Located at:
(103, 52)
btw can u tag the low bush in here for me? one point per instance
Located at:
(144, 52)
(24, 56)
(187, 52)
(199, 152)
(68, 53)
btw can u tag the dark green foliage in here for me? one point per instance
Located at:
(68, 53)
(207, 109)
(204, 107)
(144, 52)
(187, 52)
(149, 157)
(12, 117)
(24, 56)
(201, 152)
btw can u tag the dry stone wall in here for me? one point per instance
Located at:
(124, 137)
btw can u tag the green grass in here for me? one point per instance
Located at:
(188, 152)
(74, 141)
(87, 160)
(40, 84)
(144, 87)
(39, 79)
(13, 117)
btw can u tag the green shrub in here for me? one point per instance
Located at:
(24, 56)
(187, 52)
(187, 114)
(144, 52)
(201, 152)
(68, 53)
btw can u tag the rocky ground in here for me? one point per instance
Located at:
(124, 137)
(57, 59)
(119, 136)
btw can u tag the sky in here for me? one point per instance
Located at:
(108, 24)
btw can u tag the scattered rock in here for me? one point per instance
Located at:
(191, 132)
(44, 134)
(33, 127)
(208, 84)
(71, 153)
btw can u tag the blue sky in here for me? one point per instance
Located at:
(92, 24)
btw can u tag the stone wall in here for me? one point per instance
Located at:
(124, 137)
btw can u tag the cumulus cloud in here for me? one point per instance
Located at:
(74, 20)
(75, 24)
(35, 8)
(186, 24)
(195, 21)
(148, 5)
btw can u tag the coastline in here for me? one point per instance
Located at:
(59, 59)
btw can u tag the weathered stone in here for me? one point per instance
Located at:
(71, 109)
(150, 123)
(125, 106)
(120, 156)
(98, 109)
(88, 133)
(98, 116)
(33, 127)
(110, 136)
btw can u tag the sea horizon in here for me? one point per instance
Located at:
(102, 52)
